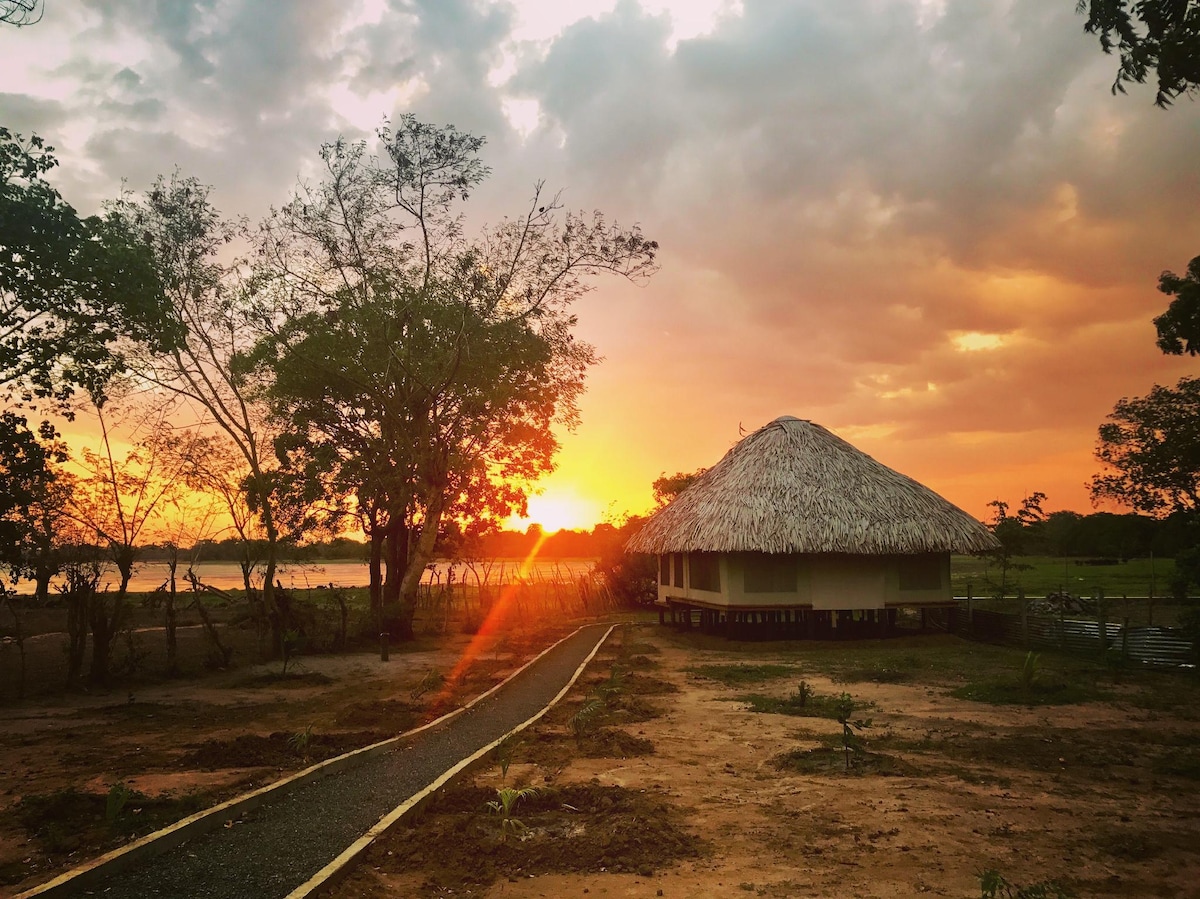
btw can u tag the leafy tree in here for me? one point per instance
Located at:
(1179, 327)
(1151, 448)
(116, 502)
(417, 372)
(198, 372)
(1016, 534)
(69, 287)
(667, 487)
(1159, 36)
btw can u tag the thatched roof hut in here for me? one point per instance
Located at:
(798, 529)
(794, 487)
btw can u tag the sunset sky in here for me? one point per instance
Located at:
(925, 224)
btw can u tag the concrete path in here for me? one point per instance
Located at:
(279, 846)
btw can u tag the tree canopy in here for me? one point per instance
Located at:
(1151, 446)
(69, 286)
(413, 371)
(1179, 327)
(1150, 36)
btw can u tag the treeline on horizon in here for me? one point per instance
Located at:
(1100, 535)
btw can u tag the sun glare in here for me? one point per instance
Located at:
(556, 511)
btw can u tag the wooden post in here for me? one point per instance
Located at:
(970, 610)
(1100, 614)
(383, 646)
(1024, 617)
(1062, 625)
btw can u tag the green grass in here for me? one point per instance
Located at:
(1050, 574)
(1010, 691)
(739, 675)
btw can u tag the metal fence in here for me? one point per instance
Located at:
(1153, 646)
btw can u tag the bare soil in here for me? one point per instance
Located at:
(701, 796)
(82, 773)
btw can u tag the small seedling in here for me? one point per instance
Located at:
(850, 739)
(504, 752)
(431, 681)
(118, 796)
(611, 687)
(504, 804)
(801, 695)
(585, 720)
(291, 643)
(300, 741)
(1029, 673)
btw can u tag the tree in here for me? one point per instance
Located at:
(667, 487)
(1015, 533)
(1161, 36)
(419, 372)
(69, 287)
(1151, 448)
(198, 372)
(115, 503)
(1179, 327)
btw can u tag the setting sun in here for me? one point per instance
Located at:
(561, 509)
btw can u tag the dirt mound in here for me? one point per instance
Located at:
(581, 828)
(277, 750)
(386, 714)
(832, 760)
(69, 820)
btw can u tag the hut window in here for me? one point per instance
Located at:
(921, 572)
(705, 569)
(769, 573)
(677, 558)
(664, 570)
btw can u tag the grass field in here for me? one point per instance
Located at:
(1039, 575)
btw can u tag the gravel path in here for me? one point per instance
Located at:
(280, 845)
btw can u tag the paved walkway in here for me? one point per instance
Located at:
(280, 845)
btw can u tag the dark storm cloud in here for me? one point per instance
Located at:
(31, 115)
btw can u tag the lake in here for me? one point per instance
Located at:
(299, 576)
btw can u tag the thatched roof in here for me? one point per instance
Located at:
(794, 487)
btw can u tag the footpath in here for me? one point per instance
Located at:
(279, 846)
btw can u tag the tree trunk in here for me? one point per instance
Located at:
(279, 617)
(79, 596)
(170, 618)
(19, 639)
(376, 568)
(41, 580)
(421, 555)
(106, 621)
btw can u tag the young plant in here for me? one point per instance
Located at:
(1029, 673)
(802, 694)
(431, 681)
(291, 644)
(505, 804)
(118, 796)
(504, 753)
(850, 726)
(300, 741)
(611, 687)
(585, 720)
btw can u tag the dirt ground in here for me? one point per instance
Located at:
(700, 796)
(655, 777)
(82, 773)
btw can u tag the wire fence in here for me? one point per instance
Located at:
(1149, 645)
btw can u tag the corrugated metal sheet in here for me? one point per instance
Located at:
(1155, 646)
